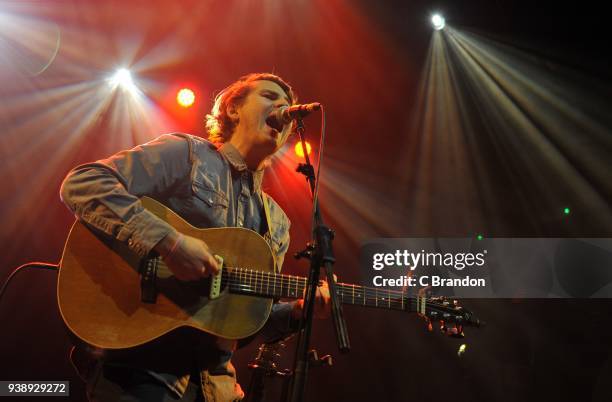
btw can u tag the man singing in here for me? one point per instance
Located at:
(210, 184)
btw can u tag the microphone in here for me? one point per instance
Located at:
(286, 114)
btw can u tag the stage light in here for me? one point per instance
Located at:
(185, 97)
(122, 79)
(438, 22)
(566, 211)
(299, 151)
(480, 237)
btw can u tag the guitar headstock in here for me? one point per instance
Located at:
(449, 313)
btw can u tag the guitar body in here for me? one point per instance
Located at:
(99, 288)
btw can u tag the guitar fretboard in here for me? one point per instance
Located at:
(249, 281)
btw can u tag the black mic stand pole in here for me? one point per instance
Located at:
(320, 254)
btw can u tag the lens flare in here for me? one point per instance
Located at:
(299, 151)
(438, 22)
(185, 97)
(122, 79)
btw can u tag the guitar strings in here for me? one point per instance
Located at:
(371, 296)
(237, 276)
(234, 277)
(290, 282)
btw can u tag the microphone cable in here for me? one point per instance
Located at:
(35, 264)
(315, 196)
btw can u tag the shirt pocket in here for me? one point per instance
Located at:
(211, 203)
(278, 234)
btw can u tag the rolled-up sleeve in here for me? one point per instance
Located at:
(105, 194)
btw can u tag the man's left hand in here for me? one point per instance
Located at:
(322, 303)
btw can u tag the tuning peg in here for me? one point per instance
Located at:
(456, 331)
(428, 322)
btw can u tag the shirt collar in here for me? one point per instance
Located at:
(237, 162)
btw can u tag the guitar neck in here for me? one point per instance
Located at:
(270, 284)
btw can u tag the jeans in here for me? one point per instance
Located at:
(123, 384)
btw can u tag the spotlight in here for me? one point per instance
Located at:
(122, 79)
(299, 151)
(438, 22)
(185, 97)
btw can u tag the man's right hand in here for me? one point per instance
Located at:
(188, 258)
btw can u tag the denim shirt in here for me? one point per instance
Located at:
(206, 186)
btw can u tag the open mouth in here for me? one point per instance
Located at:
(274, 133)
(273, 122)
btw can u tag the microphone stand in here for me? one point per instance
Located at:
(320, 254)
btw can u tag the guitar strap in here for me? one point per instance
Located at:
(266, 204)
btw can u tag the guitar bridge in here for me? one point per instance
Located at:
(148, 273)
(215, 281)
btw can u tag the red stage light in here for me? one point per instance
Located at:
(185, 97)
(298, 149)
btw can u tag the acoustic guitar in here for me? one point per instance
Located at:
(113, 299)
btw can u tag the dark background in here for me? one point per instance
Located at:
(364, 61)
